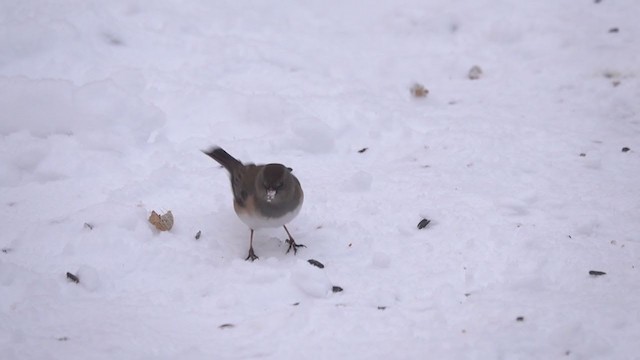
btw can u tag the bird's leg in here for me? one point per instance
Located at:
(252, 256)
(291, 242)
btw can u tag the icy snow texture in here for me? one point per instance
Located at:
(106, 105)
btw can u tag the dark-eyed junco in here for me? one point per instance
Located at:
(263, 195)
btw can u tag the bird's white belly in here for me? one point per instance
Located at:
(257, 222)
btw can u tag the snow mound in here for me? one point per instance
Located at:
(58, 107)
(310, 280)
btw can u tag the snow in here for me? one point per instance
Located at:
(106, 106)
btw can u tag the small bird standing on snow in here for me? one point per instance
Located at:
(263, 195)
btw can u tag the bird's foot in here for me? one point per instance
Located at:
(252, 256)
(293, 246)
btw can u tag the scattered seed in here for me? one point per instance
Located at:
(625, 149)
(596, 273)
(382, 307)
(419, 91)
(88, 226)
(226, 326)
(583, 154)
(467, 294)
(112, 39)
(64, 338)
(568, 352)
(475, 72)
(198, 234)
(614, 30)
(423, 223)
(520, 318)
(316, 263)
(73, 278)
(363, 150)
(162, 222)
(337, 289)
(6, 250)
(295, 304)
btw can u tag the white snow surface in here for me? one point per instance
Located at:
(105, 106)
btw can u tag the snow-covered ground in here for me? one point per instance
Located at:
(105, 106)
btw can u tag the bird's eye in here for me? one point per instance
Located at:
(276, 186)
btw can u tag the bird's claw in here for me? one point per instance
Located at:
(293, 246)
(252, 256)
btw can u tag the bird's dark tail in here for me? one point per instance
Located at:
(223, 158)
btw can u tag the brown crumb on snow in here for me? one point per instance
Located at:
(419, 91)
(161, 222)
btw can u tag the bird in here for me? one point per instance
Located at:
(264, 196)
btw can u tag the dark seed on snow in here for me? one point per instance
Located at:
(614, 30)
(88, 226)
(596, 273)
(583, 154)
(64, 338)
(474, 73)
(225, 326)
(363, 150)
(198, 234)
(423, 223)
(6, 250)
(316, 263)
(295, 304)
(337, 289)
(625, 149)
(73, 278)
(520, 318)
(382, 307)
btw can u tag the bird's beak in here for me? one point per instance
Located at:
(271, 194)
